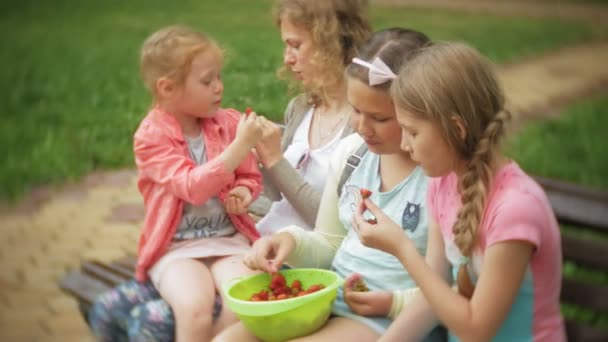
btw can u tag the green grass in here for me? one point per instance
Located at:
(72, 93)
(502, 39)
(570, 147)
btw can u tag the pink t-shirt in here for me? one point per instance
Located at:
(517, 209)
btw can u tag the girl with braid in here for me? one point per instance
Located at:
(492, 232)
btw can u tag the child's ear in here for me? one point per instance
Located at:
(459, 124)
(165, 87)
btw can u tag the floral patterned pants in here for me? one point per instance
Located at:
(135, 311)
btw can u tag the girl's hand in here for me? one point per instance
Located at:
(385, 235)
(268, 253)
(370, 303)
(249, 131)
(238, 200)
(269, 147)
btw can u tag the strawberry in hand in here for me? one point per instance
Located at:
(372, 220)
(365, 193)
(355, 282)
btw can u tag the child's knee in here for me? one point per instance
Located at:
(194, 308)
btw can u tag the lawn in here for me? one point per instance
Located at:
(72, 94)
(570, 147)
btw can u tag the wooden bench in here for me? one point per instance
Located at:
(573, 206)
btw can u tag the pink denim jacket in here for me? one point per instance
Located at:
(168, 177)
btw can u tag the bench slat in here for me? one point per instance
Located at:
(577, 205)
(125, 271)
(128, 262)
(587, 295)
(102, 273)
(82, 286)
(585, 252)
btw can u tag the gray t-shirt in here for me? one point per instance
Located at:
(208, 219)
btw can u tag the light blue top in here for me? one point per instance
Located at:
(404, 204)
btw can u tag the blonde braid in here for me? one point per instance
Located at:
(475, 183)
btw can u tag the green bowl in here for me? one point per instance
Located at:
(283, 319)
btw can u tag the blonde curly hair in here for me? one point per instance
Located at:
(169, 52)
(337, 27)
(452, 79)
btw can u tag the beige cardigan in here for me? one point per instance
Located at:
(283, 179)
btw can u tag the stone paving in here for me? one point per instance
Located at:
(52, 230)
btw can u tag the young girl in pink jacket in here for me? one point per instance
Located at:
(197, 177)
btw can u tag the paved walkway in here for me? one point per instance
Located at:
(53, 230)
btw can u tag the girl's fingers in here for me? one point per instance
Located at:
(359, 222)
(229, 205)
(369, 205)
(360, 298)
(250, 261)
(233, 204)
(261, 260)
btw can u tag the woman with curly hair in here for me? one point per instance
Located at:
(320, 38)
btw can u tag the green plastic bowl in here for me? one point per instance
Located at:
(283, 319)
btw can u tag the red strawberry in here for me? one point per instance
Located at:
(281, 290)
(315, 288)
(365, 193)
(248, 111)
(296, 285)
(263, 295)
(277, 281)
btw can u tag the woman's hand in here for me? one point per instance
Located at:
(269, 147)
(384, 235)
(238, 200)
(268, 253)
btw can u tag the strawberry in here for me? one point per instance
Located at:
(360, 286)
(355, 282)
(248, 111)
(315, 288)
(277, 281)
(263, 295)
(281, 290)
(365, 193)
(296, 284)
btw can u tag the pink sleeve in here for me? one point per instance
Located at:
(431, 197)
(517, 216)
(159, 159)
(247, 173)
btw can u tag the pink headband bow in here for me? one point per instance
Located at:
(379, 72)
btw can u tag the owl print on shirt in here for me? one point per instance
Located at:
(411, 216)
